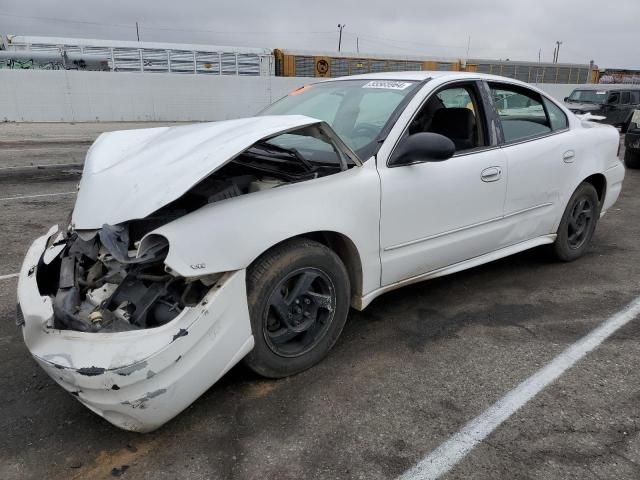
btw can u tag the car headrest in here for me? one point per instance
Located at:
(455, 123)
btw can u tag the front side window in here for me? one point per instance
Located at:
(614, 98)
(521, 112)
(455, 113)
(357, 110)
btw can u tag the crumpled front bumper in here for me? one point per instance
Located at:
(138, 380)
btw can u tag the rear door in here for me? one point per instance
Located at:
(540, 155)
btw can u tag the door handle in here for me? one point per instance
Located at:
(491, 174)
(568, 156)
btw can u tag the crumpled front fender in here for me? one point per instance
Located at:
(230, 234)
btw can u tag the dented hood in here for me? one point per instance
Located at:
(130, 174)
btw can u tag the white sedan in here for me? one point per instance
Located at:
(192, 248)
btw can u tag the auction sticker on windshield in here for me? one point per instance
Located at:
(388, 84)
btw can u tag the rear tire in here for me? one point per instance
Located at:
(632, 158)
(578, 224)
(298, 294)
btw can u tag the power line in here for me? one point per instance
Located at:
(377, 39)
(384, 41)
(66, 20)
(162, 27)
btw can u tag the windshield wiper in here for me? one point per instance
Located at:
(267, 150)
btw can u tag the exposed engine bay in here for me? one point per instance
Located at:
(99, 281)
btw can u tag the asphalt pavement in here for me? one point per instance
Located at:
(406, 375)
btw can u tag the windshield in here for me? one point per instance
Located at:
(357, 110)
(588, 96)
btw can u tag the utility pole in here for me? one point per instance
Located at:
(468, 48)
(137, 32)
(557, 51)
(340, 26)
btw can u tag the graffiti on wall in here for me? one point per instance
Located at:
(12, 64)
(612, 76)
(31, 64)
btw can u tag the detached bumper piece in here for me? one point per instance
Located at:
(138, 378)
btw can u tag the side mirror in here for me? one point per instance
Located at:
(566, 99)
(423, 147)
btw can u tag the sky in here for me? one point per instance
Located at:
(500, 29)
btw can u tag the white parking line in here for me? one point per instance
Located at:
(7, 277)
(451, 452)
(36, 196)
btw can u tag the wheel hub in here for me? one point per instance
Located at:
(299, 311)
(579, 222)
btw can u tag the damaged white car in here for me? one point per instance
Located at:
(192, 248)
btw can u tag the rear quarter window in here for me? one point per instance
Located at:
(557, 118)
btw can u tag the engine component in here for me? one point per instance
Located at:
(102, 287)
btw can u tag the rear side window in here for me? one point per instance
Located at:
(635, 97)
(521, 112)
(557, 118)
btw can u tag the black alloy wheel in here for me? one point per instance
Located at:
(298, 295)
(300, 310)
(578, 223)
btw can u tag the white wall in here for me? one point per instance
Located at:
(73, 96)
(81, 96)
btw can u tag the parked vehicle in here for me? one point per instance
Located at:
(632, 142)
(192, 248)
(615, 103)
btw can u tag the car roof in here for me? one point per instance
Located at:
(426, 74)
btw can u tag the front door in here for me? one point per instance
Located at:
(436, 214)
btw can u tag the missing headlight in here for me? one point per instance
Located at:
(99, 284)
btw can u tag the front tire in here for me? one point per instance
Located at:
(578, 224)
(298, 295)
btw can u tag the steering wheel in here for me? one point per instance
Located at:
(366, 130)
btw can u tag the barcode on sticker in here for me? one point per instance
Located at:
(388, 84)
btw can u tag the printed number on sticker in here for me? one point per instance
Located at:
(388, 84)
